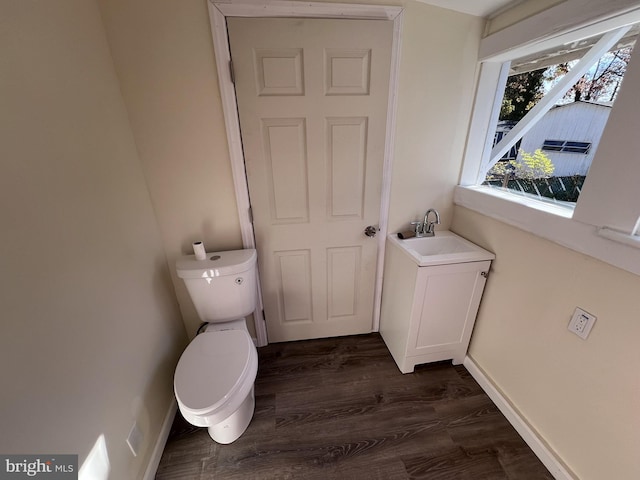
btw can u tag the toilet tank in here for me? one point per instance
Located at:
(223, 287)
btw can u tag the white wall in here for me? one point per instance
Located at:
(581, 396)
(163, 53)
(90, 329)
(437, 69)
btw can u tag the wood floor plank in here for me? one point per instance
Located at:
(455, 464)
(339, 408)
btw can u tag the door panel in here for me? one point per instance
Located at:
(312, 98)
(294, 285)
(346, 157)
(285, 157)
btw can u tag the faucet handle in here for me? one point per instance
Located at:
(417, 227)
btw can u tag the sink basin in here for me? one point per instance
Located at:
(444, 248)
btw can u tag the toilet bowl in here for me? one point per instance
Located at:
(214, 380)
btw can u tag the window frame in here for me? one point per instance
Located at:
(552, 222)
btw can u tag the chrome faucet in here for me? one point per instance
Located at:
(427, 226)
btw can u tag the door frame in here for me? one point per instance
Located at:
(218, 12)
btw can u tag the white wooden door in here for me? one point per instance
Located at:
(312, 98)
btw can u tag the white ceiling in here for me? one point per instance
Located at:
(479, 8)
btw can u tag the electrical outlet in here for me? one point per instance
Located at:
(581, 323)
(134, 440)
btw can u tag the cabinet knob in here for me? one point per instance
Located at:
(485, 274)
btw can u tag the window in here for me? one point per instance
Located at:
(549, 104)
(609, 199)
(566, 146)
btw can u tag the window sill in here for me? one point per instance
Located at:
(551, 222)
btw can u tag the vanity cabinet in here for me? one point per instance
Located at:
(428, 312)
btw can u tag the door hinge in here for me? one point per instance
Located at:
(251, 214)
(264, 319)
(232, 72)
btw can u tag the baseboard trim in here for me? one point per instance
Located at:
(154, 461)
(539, 447)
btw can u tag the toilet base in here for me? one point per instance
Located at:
(232, 427)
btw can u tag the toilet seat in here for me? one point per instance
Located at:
(214, 375)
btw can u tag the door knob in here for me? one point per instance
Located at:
(371, 231)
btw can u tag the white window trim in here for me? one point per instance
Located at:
(549, 221)
(553, 223)
(563, 23)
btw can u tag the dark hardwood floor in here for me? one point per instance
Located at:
(339, 408)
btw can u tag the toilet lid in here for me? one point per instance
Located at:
(212, 368)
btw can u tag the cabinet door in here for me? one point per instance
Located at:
(445, 308)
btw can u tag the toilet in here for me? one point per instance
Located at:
(214, 378)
